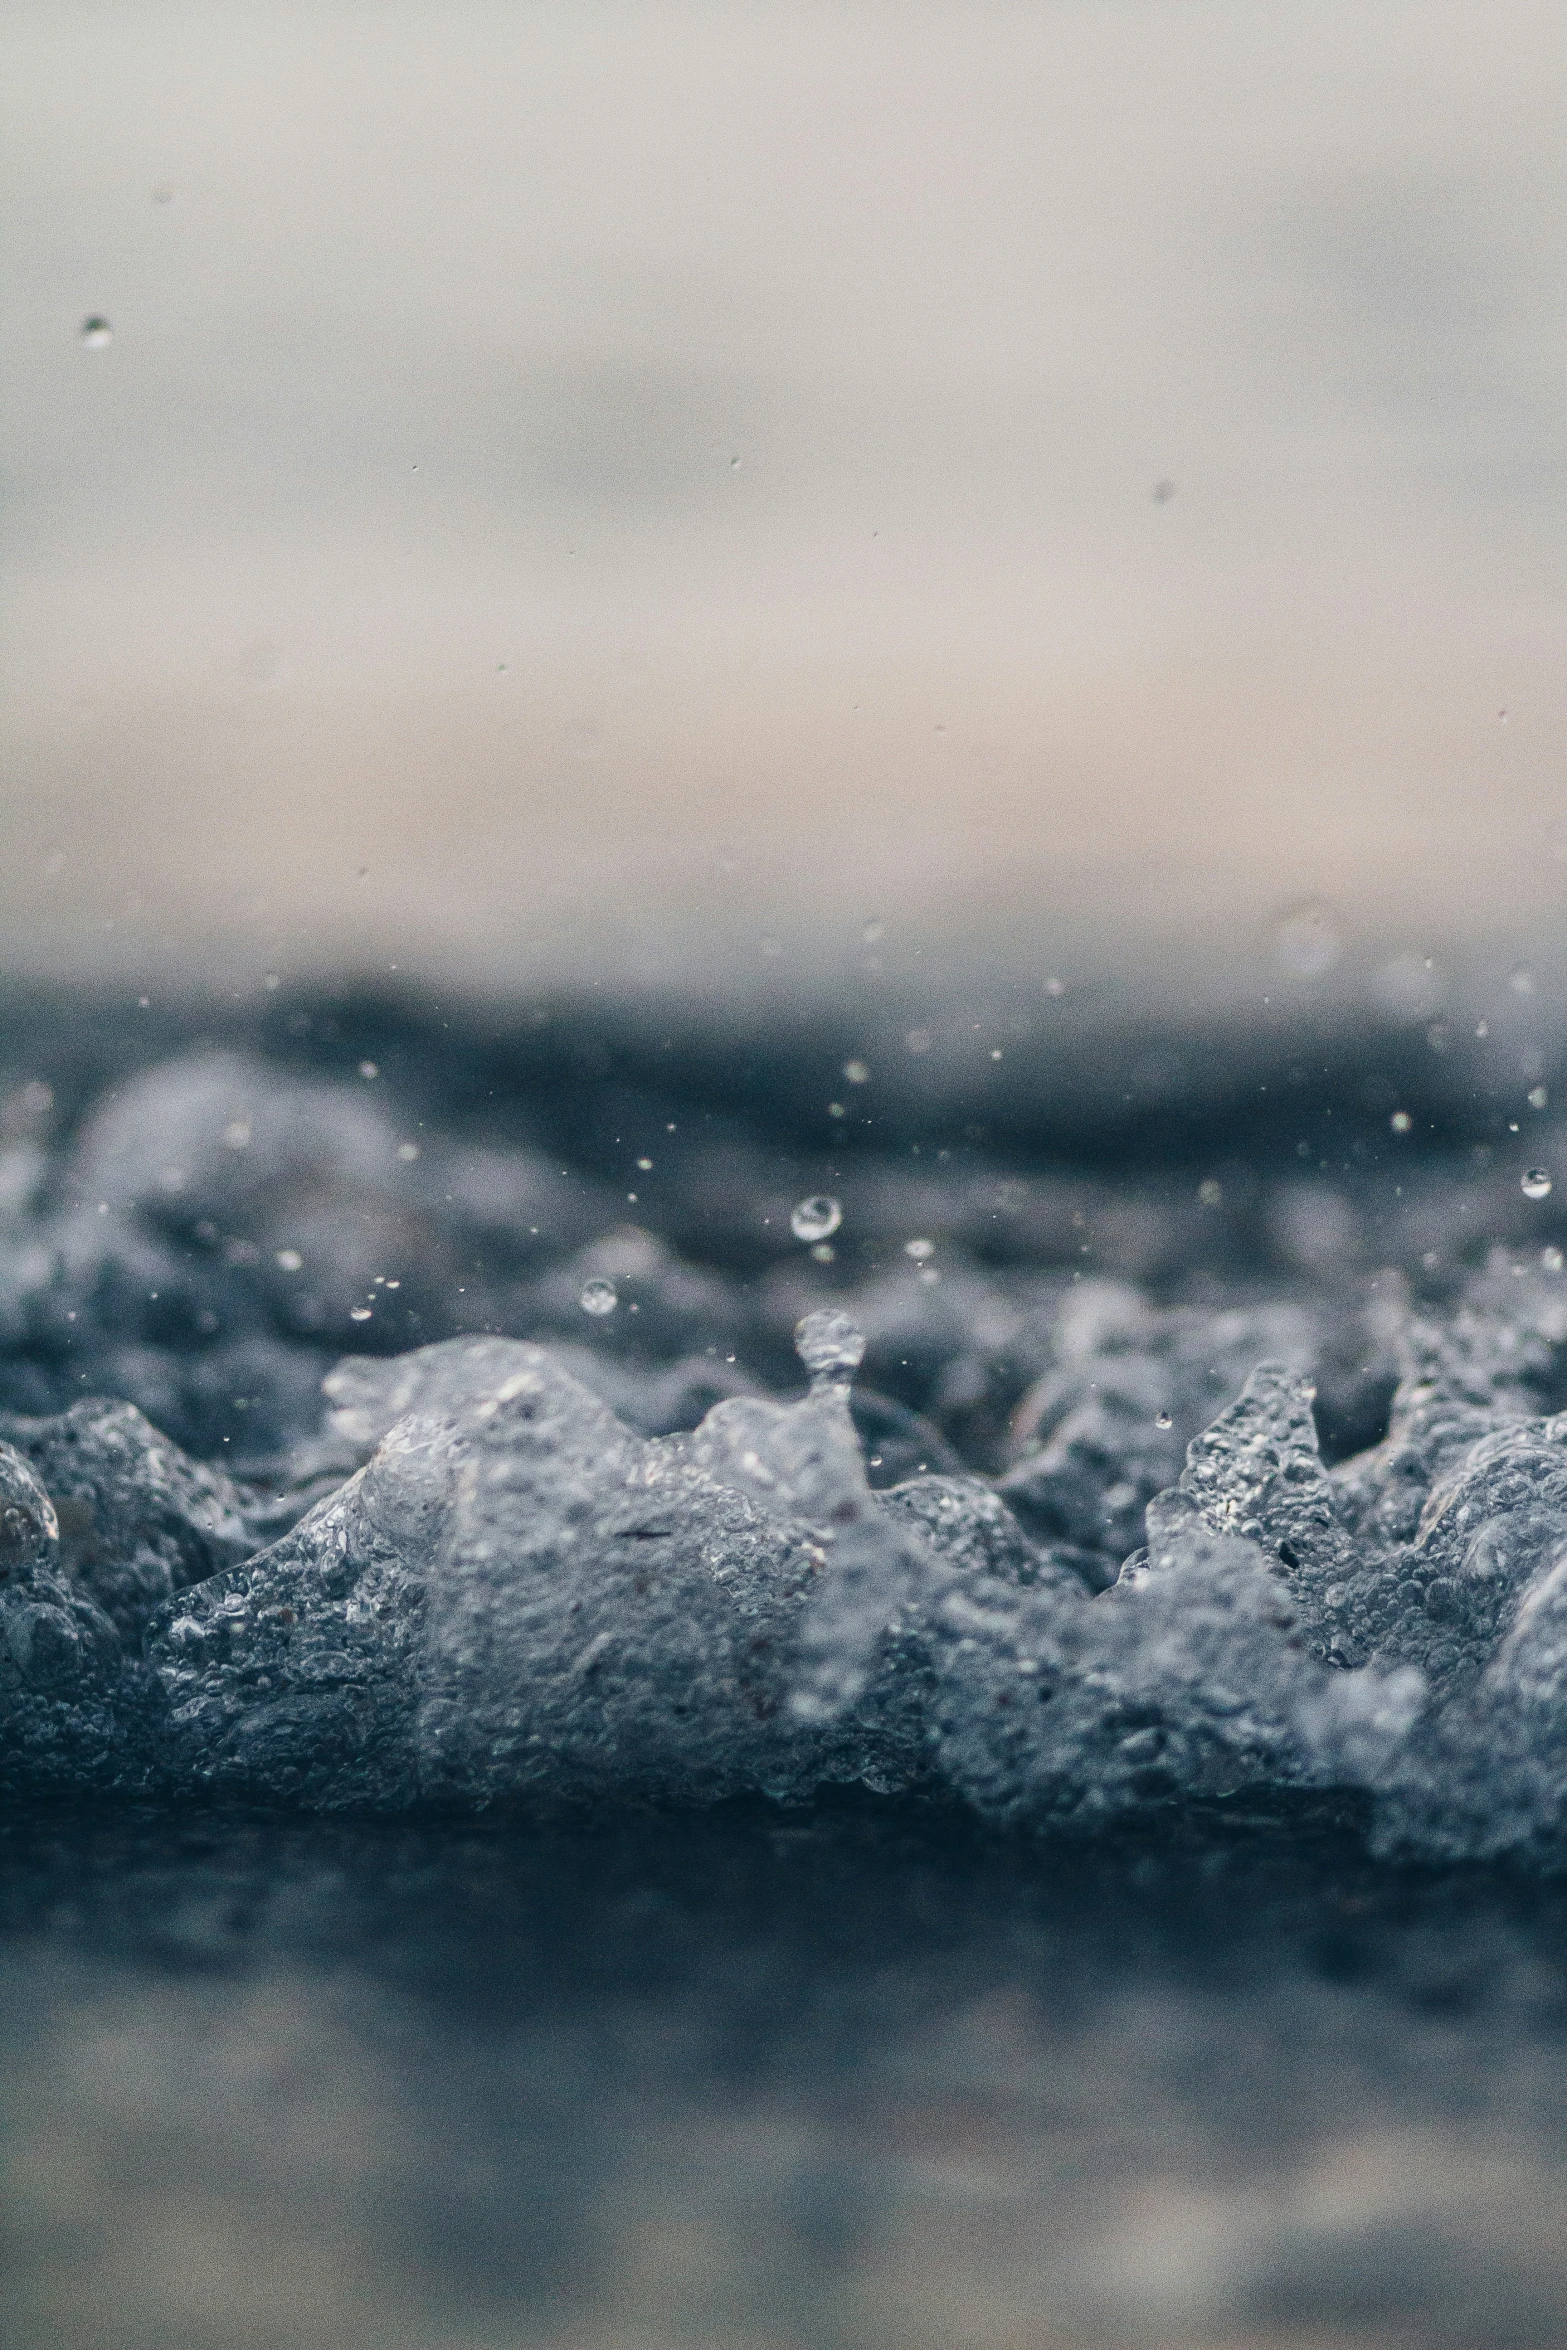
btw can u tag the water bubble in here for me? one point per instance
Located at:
(919, 1250)
(1163, 1420)
(599, 1296)
(856, 1072)
(408, 1152)
(1521, 981)
(1210, 1194)
(368, 1069)
(359, 1313)
(96, 332)
(1552, 1259)
(646, 1166)
(824, 1253)
(829, 1344)
(815, 1219)
(836, 1110)
(289, 1260)
(1538, 1097)
(1536, 1183)
(1306, 941)
(1401, 1121)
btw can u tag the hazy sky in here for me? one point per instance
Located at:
(596, 489)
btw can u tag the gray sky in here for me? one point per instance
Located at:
(593, 491)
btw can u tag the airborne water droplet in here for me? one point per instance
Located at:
(816, 1219)
(1163, 1420)
(599, 1296)
(1401, 1121)
(1536, 1183)
(829, 1344)
(95, 333)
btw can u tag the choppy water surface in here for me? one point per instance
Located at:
(635, 1712)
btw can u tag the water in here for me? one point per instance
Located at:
(838, 2080)
(868, 1936)
(815, 1219)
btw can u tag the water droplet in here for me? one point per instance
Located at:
(236, 1134)
(407, 1152)
(599, 1296)
(815, 1219)
(646, 1166)
(369, 1069)
(1538, 1097)
(1521, 981)
(1055, 987)
(836, 1110)
(1306, 941)
(1536, 1183)
(824, 1253)
(1401, 1122)
(1552, 1259)
(919, 1250)
(1210, 1194)
(856, 1072)
(359, 1313)
(829, 1344)
(1163, 1420)
(96, 332)
(289, 1260)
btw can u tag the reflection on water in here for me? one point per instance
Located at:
(849, 2078)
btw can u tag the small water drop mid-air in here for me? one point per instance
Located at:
(816, 1219)
(1401, 1121)
(1536, 1183)
(829, 1345)
(96, 332)
(1163, 1420)
(919, 1250)
(599, 1296)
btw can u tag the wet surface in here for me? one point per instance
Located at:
(862, 2075)
(858, 2073)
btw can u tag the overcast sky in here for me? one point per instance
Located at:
(612, 490)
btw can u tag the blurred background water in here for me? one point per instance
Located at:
(629, 497)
